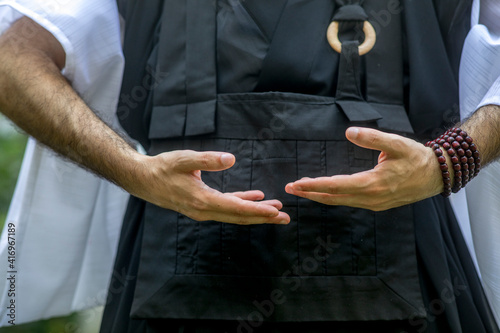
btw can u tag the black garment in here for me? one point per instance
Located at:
(245, 275)
(453, 298)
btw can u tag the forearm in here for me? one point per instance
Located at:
(36, 97)
(484, 127)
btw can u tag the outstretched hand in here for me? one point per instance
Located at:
(173, 181)
(406, 172)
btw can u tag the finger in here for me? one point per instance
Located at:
(281, 218)
(342, 184)
(238, 209)
(334, 200)
(231, 204)
(249, 195)
(374, 139)
(257, 196)
(275, 203)
(188, 160)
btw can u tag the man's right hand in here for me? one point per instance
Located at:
(173, 180)
(35, 95)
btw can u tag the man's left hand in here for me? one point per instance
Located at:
(406, 172)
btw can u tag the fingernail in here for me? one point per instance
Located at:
(227, 159)
(284, 222)
(352, 132)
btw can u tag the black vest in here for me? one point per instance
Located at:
(257, 78)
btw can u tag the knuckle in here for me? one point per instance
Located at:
(372, 137)
(205, 160)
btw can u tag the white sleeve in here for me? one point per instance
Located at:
(479, 86)
(480, 65)
(67, 221)
(88, 30)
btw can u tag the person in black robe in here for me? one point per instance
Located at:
(298, 97)
(259, 80)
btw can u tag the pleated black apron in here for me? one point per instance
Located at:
(259, 80)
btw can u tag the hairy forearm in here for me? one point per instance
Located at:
(35, 96)
(484, 127)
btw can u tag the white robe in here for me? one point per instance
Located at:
(479, 86)
(67, 221)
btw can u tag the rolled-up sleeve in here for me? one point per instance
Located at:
(88, 30)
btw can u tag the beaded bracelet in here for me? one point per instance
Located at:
(464, 156)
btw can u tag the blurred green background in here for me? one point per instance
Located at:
(12, 144)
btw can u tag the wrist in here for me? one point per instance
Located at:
(134, 172)
(458, 159)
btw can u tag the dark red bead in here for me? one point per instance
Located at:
(457, 167)
(450, 140)
(478, 160)
(470, 160)
(468, 153)
(475, 154)
(446, 193)
(460, 152)
(443, 167)
(438, 152)
(473, 147)
(441, 159)
(441, 141)
(446, 181)
(446, 174)
(446, 145)
(455, 144)
(465, 173)
(465, 145)
(458, 174)
(454, 159)
(462, 134)
(465, 167)
(468, 139)
(463, 159)
(459, 139)
(451, 152)
(454, 135)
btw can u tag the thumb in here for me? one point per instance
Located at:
(372, 139)
(205, 161)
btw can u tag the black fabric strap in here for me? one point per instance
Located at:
(359, 95)
(350, 13)
(184, 102)
(349, 96)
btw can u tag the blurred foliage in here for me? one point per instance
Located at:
(56, 325)
(12, 145)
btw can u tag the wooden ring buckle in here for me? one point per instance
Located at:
(370, 38)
